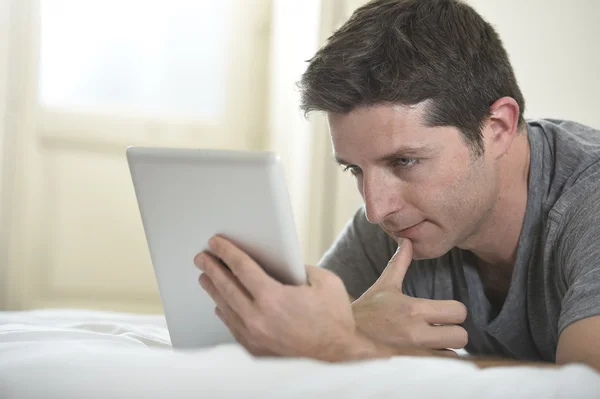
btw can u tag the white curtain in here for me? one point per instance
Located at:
(299, 29)
(6, 165)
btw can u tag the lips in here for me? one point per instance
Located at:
(410, 231)
(398, 231)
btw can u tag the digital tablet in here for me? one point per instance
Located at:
(185, 197)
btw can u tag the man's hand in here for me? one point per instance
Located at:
(387, 315)
(270, 318)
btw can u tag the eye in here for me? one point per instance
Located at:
(405, 162)
(352, 169)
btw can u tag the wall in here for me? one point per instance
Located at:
(553, 47)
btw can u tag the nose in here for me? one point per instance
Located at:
(381, 197)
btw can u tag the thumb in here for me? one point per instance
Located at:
(394, 272)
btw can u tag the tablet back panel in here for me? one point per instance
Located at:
(186, 196)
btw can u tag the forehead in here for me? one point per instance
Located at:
(368, 132)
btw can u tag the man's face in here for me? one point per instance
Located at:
(417, 182)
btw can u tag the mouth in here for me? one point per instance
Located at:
(407, 231)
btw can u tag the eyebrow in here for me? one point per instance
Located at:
(402, 152)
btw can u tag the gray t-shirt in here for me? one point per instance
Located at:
(556, 278)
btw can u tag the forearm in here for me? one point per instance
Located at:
(364, 348)
(485, 362)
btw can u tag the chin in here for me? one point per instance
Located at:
(427, 251)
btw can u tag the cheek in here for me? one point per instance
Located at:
(470, 196)
(451, 193)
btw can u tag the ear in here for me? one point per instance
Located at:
(502, 127)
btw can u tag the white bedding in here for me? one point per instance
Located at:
(85, 354)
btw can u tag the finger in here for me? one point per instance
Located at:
(226, 270)
(248, 272)
(234, 327)
(230, 318)
(393, 274)
(443, 337)
(229, 289)
(212, 291)
(443, 312)
(239, 332)
(234, 321)
(445, 353)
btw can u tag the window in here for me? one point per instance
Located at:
(144, 57)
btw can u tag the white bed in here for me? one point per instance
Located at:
(86, 354)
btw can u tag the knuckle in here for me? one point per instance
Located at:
(405, 309)
(413, 309)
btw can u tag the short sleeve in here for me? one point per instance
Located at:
(579, 254)
(359, 254)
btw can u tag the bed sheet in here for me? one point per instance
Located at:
(77, 354)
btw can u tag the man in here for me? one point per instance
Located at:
(479, 228)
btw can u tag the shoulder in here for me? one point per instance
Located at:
(577, 219)
(570, 146)
(580, 203)
(569, 154)
(557, 130)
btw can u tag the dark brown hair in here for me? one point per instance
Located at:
(408, 51)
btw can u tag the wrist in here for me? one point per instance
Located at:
(360, 346)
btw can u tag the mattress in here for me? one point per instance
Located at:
(64, 353)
